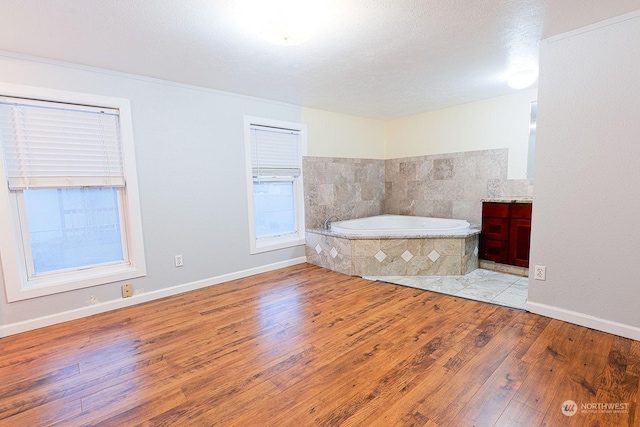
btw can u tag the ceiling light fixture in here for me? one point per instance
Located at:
(523, 79)
(287, 22)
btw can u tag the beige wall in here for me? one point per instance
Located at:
(501, 122)
(339, 135)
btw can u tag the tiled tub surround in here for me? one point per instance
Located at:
(449, 185)
(439, 255)
(345, 188)
(444, 185)
(441, 186)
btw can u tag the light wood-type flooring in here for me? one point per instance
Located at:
(304, 346)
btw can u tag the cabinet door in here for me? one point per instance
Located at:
(519, 240)
(494, 250)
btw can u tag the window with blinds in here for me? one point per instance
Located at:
(274, 167)
(72, 192)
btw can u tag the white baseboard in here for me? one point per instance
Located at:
(40, 322)
(585, 320)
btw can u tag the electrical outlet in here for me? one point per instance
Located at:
(127, 290)
(138, 291)
(179, 261)
(540, 272)
(93, 300)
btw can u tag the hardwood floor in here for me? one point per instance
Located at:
(304, 346)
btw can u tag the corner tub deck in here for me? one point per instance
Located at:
(435, 253)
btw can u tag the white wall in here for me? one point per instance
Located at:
(586, 214)
(501, 122)
(339, 135)
(190, 161)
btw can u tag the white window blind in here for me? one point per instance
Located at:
(275, 152)
(49, 146)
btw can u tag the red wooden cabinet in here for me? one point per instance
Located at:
(506, 231)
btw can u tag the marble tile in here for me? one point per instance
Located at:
(365, 247)
(394, 247)
(424, 207)
(407, 170)
(490, 288)
(494, 187)
(447, 265)
(334, 254)
(480, 285)
(443, 168)
(521, 285)
(444, 209)
(363, 265)
(419, 265)
(463, 209)
(446, 285)
(464, 168)
(476, 294)
(422, 281)
(448, 246)
(425, 169)
(504, 268)
(325, 194)
(347, 188)
(512, 298)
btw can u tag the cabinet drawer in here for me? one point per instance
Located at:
(496, 210)
(494, 250)
(521, 210)
(495, 228)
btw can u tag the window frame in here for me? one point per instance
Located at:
(13, 250)
(274, 242)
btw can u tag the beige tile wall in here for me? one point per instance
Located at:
(444, 185)
(449, 185)
(346, 188)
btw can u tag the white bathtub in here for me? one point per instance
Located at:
(400, 225)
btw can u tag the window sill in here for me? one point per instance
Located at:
(70, 281)
(275, 244)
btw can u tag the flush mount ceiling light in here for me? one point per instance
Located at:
(523, 79)
(286, 22)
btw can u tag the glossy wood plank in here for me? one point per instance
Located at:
(304, 346)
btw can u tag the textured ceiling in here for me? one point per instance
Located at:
(372, 58)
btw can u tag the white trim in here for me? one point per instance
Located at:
(593, 27)
(275, 243)
(14, 276)
(257, 245)
(78, 313)
(585, 320)
(62, 96)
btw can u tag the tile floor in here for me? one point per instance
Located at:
(480, 285)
